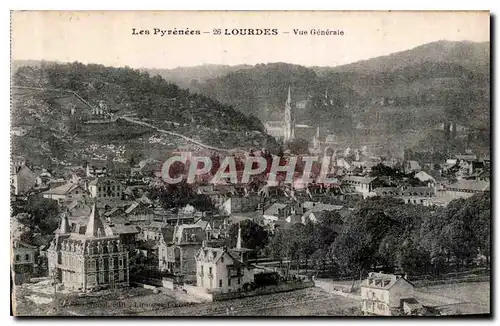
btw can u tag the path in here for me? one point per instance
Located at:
(129, 119)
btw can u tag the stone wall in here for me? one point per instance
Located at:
(198, 292)
(285, 287)
(201, 293)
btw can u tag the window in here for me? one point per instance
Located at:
(210, 270)
(228, 282)
(220, 283)
(17, 257)
(222, 259)
(239, 281)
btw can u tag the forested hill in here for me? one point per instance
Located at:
(191, 77)
(127, 90)
(412, 91)
(51, 103)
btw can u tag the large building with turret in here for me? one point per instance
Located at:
(88, 258)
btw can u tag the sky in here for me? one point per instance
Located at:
(106, 37)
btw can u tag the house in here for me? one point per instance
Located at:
(179, 254)
(316, 210)
(277, 211)
(139, 211)
(466, 188)
(255, 217)
(105, 188)
(24, 261)
(218, 270)
(426, 178)
(237, 204)
(363, 185)
(89, 260)
(65, 192)
(155, 230)
(23, 179)
(148, 167)
(125, 231)
(382, 294)
(412, 166)
(95, 172)
(115, 215)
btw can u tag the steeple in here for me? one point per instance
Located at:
(289, 98)
(289, 132)
(64, 227)
(238, 241)
(95, 228)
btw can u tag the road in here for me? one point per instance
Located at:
(142, 123)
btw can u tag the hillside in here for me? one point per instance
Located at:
(409, 92)
(58, 99)
(191, 77)
(470, 55)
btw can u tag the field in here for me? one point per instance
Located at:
(459, 298)
(306, 302)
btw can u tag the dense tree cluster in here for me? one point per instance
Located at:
(384, 233)
(39, 218)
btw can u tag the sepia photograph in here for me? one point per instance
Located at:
(250, 163)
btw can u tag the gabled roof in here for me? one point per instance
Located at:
(180, 230)
(131, 208)
(64, 189)
(19, 244)
(424, 176)
(273, 209)
(119, 228)
(382, 281)
(205, 253)
(112, 211)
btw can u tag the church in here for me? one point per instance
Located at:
(289, 129)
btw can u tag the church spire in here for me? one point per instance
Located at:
(289, 98)
(238, 241)
(289, 132)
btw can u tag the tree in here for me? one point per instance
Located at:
(299, 146)
(42, 215)
(356, 247)
(253, 235)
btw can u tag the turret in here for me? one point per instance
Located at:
(64, 226)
